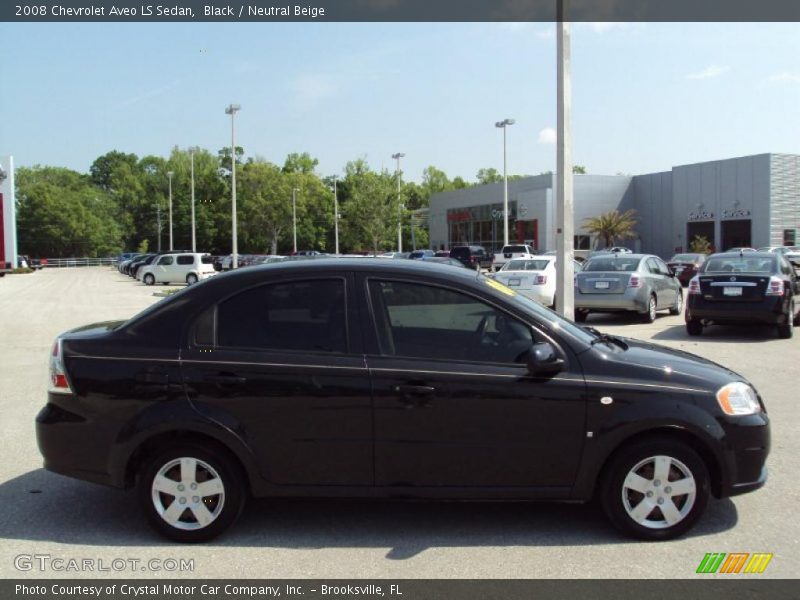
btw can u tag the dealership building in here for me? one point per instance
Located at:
(747, 201)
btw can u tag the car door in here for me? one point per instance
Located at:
(453, 404)
(656, 281)
(281, 364)
(163, 267)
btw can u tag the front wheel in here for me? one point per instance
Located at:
(655, 490)
(678, 306)
(650, 315)
(149, 279)
(190, 493)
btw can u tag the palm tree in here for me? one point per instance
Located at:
(612, 226)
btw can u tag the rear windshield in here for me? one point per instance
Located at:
(514, 249)
(740, 265)
(526, 265)
(612, 263)
(685, 258)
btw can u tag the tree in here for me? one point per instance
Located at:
(435, 180)
(700, 244)
(373, 207)
(300, 163)
(579, 169)
(612, 226)
(485, 176)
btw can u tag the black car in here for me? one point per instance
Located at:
(133, 268)
(384, 378)
(686, 265)
(474, 257)
(759, 288)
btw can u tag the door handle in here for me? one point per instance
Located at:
(222, 378)
(414, 390)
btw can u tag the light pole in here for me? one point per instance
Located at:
(335, 217)
(294, 217)
(194, 240)
(158, 224)
(504, 125)
(232, 110)
(169, 176)
(397, 157)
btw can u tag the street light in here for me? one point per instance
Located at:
(294, 217)
(169, 176)
(397, 157)
(335, 217)
(194, 241)
(232, 110)
(504, 125)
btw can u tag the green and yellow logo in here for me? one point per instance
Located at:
(734, 563)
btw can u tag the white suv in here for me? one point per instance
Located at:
(178, 268)
(509, 252)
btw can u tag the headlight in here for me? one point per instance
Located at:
(738, 399)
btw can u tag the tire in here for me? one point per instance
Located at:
(191, 279)
(580, 315)
(786, 330)
(641, 482)
(694, 327)
(678, 307)
(149, 279)
(650, 315)
(162, 485)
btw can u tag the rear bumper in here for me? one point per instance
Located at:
(541, 296)
(634, 299)
(769, 311)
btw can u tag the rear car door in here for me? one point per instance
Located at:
(453, 404)
(281, 365)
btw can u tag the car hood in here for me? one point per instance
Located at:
(654, 364)
(92, 329)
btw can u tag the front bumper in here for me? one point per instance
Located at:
(747, 444)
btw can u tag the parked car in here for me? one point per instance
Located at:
(178, 268)
(123, 267)
(685, 266)
(474, 257)
(417, 254)
(741, 249)
(395, 255)
(533, 277)
(759, 288)
(133, 268)
(509, 252)
(388, 378)
(442, 254)
(639, 283)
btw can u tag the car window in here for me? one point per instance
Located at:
(612, 263)
(165, 260)
(422, 321)
(740, 265)
(186, 259)
(527, 265)
(515, 249)
(304, 315)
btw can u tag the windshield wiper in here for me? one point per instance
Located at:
(604, 338)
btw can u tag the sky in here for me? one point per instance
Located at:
(645, 96)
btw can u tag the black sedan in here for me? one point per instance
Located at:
(384, 378)
(759, 288)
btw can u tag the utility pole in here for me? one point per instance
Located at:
(565, 291)
(397, 157)
(232, 110)
(158, 224)
(194, 240)
(169, 176)
(504, 124)
(294, 218)
(335, 216)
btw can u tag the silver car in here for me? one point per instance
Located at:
(640, 283)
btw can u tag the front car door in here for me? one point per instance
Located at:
(163, 266)
(281, 364)
(454, 406)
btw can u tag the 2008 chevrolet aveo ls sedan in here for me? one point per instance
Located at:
(382, 378)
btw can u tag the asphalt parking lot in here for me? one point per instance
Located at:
(46, 514)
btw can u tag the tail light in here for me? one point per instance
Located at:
(775, 287)
(635, 282)
(58, 377)
(694, 286)
(540, 280)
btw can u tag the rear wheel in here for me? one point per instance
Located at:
(656, 489)
(786, 329)
(694, 327)
(191, 279)
(678, 306)
(149, 279)
(650, 315)
(190, 493)
(580, 315)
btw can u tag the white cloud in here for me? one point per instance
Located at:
(709, 72)
(784, 77)
(547, 136)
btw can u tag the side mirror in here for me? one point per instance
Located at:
(542, 359)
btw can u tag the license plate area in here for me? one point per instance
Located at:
(601, 285)
(731, 291)
(513, 282)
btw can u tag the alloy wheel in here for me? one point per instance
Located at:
(659, 492)
(188, 493)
